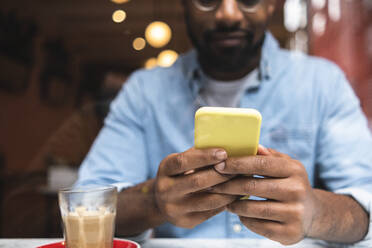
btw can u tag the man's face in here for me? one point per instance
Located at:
(227, 37)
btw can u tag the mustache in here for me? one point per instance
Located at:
(211, 33)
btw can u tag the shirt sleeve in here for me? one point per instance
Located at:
(118, 156)
(344, 155)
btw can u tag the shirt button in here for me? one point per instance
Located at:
(237, 228)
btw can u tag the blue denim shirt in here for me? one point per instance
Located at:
(309, 112)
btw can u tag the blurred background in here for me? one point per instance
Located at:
(62, 61)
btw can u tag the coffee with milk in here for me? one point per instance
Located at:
(89, 228)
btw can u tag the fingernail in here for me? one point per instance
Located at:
(189, 172)
(221, 155)
(264, 149)
(220, 166)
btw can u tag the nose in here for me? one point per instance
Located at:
(228, 13)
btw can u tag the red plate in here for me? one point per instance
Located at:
(117, 244)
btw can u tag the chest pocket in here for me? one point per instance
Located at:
(297, 142)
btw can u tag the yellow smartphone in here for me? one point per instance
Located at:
(237, 130)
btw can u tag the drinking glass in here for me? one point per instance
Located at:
(88, 216)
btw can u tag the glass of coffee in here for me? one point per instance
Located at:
(88, 216)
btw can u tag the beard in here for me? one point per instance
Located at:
(226, 58)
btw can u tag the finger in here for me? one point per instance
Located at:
(204, 201)
(269, 151)
(269, 188)
(191, 159)
(275, 153)
(268, 210)
(197, 181)
(258, 165)
(192, 219)
(269, 229)
(262, 150)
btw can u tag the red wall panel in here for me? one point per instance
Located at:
(348, 43)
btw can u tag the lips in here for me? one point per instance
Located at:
(228, 39)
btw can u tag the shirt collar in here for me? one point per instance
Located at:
(268, 56)
(192, 70)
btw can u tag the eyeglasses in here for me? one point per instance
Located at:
(249, 6)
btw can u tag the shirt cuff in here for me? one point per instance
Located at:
(123, 185)
(364, 198)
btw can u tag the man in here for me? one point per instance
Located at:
(310, 115)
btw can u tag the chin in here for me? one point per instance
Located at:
(228, 59)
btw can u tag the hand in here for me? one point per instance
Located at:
(286, 216)
(181, 196)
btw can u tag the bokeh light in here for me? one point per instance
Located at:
(120, 1)
(319, 23)
(151, 63)
(139, 43)
(167, 57)
(119, 16)
(318, 4)
(158, 34)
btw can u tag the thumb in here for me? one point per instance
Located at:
(262, 150)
